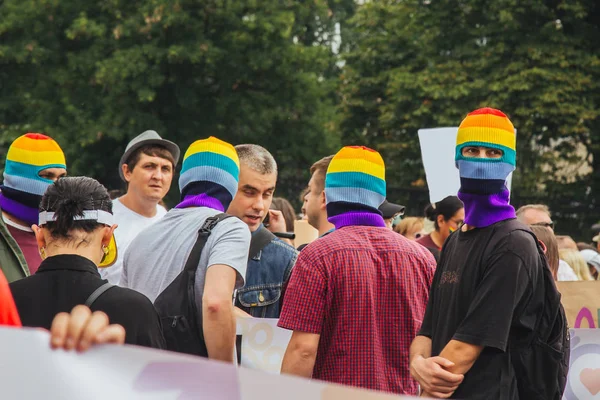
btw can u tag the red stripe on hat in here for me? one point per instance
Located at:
(488, 110)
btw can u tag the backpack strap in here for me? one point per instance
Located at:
(203, 233)
(97, 293)
(259, 240)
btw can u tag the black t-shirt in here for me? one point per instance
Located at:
(64, 281)
(487, 288)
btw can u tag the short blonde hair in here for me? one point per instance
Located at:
(577, 262)
(408, 224)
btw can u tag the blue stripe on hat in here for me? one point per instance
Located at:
(29, 171)
(32, 186)
(207, 158)
(354, 195)
(355, 180)
(509, 156)
(472, 168)
(211, 174)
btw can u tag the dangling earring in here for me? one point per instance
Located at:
(105, 251)
(43, 253)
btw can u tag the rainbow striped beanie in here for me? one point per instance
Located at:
(209, 175)
(355, 187)
(23, 188)
(483, 187)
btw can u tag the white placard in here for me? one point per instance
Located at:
(263, 343)
(438, 146)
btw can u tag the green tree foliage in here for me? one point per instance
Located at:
(95, 74)
(420, 64)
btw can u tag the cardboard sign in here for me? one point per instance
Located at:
(305, 233)
(581, 300)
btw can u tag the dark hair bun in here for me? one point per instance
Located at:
(431, 213)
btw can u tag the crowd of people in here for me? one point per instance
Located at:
(443, 305)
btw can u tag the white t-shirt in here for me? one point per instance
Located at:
(130, 225)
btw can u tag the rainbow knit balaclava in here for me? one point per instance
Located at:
(482, 180)
(355, 187)
(209, 175)
(23, 188)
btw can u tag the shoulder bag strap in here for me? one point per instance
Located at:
(258, 242)
(97, 293)
(203, 233)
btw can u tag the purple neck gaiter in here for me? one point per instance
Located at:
(14, 207)
(483, 210)
(201, 200)
(362, 218)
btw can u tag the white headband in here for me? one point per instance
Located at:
(101, 216)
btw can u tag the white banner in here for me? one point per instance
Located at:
(30, 369)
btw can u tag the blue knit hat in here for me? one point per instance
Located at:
(209, 175)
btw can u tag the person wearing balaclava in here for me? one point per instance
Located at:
(487, 290)
(33, 162)
(357, 295)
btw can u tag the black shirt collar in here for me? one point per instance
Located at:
(70, 262)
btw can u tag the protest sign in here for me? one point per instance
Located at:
(31, 370)
(584, 370)
(304, 232)
(263, 343)
(437, 151)
(581, 302)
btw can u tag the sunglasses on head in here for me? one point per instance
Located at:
(546, 224)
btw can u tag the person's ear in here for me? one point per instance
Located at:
(323, 200)
(126, 172)
(440, 220)
(39, 236)
(108, 233)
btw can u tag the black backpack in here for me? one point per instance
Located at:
(541, 361)
(176, 305)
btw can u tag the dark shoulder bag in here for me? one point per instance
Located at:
(176, 305)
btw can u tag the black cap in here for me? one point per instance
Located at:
(390, 209)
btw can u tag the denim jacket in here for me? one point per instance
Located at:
(266, 273)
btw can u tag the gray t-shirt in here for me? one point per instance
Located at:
(157, 255)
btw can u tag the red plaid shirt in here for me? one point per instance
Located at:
(364, 290)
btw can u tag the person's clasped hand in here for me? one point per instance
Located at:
(435, 381)
(81, 328)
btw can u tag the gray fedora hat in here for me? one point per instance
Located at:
(148, 137)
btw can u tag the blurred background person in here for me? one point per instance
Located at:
(546, 236)
(286, 208)
(566, 242)
(577, 262)
(447, 216)
(586, 246)
(390, 212)
(410, 227)
(592, 258)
